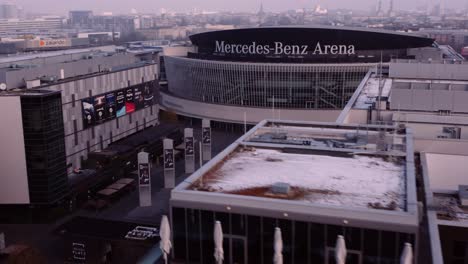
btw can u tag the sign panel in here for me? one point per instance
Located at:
(279, 48)
(138, 97)
(129, 101)
(168, 159)
(88, 112)
(189, 146)
(100, 109)
(120, 102)
(52, 43)
(148, 95)
(206, 135)
(110, 106)
(104, 107)
(144, 174)
(79, 251)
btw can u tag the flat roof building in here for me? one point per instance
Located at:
(313, 180)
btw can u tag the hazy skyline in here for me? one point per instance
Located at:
(148, 6)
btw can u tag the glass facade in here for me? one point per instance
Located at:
(45, 147)
(249, 239)
(267, 85)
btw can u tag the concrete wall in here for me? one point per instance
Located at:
(235, 114)
(446, 172)
(429, 100)
(13, 174)
(416, 70)
(111, 130)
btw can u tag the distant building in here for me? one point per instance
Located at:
(9, 11)
(80, 18)
(25, 27)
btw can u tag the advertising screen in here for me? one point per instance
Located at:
(206, 135)
(129, 101)
(100, 108)
(88, 112)
(144, 174)
(188, 146)
(120, 102)
(148, 95)
(110, 106)
(138, 97)
(168, 159)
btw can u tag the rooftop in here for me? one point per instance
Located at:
(314, 178)
(332, 172)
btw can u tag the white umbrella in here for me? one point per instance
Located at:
(218, 240)
(165, 234)
(407, 255)
(340, 250)
(278, 257)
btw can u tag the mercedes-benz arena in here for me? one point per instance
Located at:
(303, 73)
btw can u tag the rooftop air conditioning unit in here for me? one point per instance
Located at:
(280, 188)
(463, 194)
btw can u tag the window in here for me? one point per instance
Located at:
(459, 252)
(352, 256)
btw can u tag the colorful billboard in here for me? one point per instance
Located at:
(88, 112)
(110, 106)
(138, 97)
(100, 108)
(148, 95)
(104, 107)
(121, 111)
(129, 101)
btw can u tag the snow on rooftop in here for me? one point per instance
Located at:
(370, 92)
(358, 181)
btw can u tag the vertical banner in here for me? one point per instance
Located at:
(189, 151)
(169, 163)
(110, 106)
(120, 102)
(206, 139)
(88, 112)
(79, 252)
(138, 97)
(129, 101)
(148, 95)
(144, 179)
(100, 108)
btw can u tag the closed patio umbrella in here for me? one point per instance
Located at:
(278, 246)
(218, 240)
(165, 234)
(340, 250)
(407, 255)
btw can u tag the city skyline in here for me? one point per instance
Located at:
(147, 6)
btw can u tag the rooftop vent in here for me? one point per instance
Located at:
(280, 188)
(463, 194)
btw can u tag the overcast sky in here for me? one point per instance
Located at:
(124, 6)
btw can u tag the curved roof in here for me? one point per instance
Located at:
(362, 39)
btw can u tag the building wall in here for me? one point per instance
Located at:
(80, 141)
(250, 238)
(72, 68)
(14, 177)
(429, 100)
(446, 172)
(265, 85)
(430, 71)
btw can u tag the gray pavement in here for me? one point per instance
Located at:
(125, 209)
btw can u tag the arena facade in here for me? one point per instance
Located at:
(307, 73)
